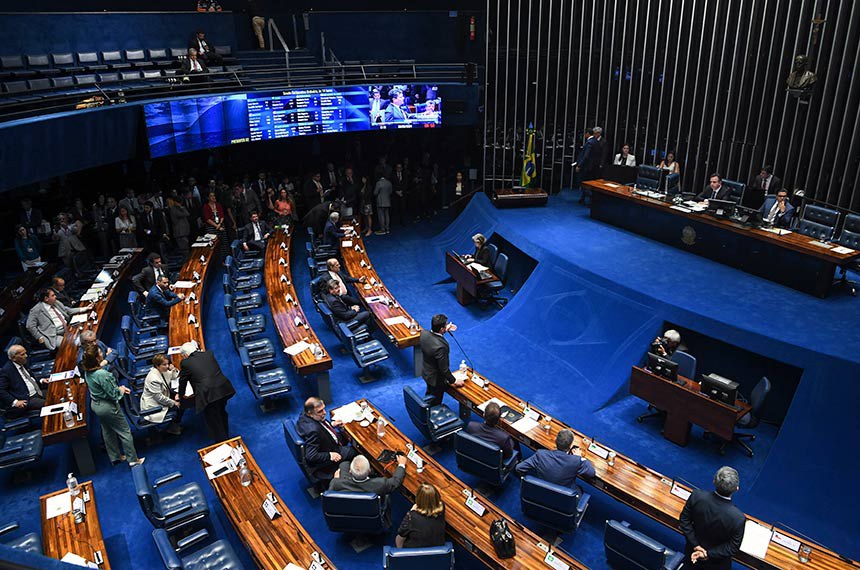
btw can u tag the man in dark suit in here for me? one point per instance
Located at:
(30, 217)
(350, 190)
(436, 366)
(762, 186)
(400, 195)
(256, 233)
(393, 112)
(20, 393)
(312, 192)
(331, 182)
(325, 445)
(332, 232)
(246, 201)
(193, 68)
(490, 431)
(58, 284)
(211, 388)
(712, 525)
(561, 465)
(146, 279)
(161, 298)
(333, 272)
(715, 189)
(343, 307)
(587, 161)
(204, 48)
(355, 477)
(777, 210)
(152, 228)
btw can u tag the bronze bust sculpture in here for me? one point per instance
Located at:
(801, 78)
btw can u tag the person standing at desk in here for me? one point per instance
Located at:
(777, 210)
(762, 186)
(211, 388)
(714, 190)
(436, 359)
(712, 525)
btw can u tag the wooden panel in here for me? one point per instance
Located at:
(272, 543)
(463, 524)
(463, 274)
(181, 331)
(54, 430)
(60, 535)
(519, 197)
(284, 313)
(17, 296)
(399, 334)
(636, 485)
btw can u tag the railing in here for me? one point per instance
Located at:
(273, 27)
(339, 71)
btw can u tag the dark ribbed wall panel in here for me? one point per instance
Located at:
(705, 78)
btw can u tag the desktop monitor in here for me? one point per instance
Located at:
(748, 216)
(718, 388)
(722, 208)
(662, 366)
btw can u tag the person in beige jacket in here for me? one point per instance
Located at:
(158, 394)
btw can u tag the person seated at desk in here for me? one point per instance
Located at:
(256, 233)
(762, 186)
(145, 280)
(666, 345)
(325, 446)
(482, 253)
(58, 284)
(49, 318)
(624, 158)
(20, 393)
(355, 477)
(490, 431)
(333, 272)
(157, 393)
(343, 307)
(561, 465)
(715, 190)
(777, 210)
(424, 524)
(669, 163)
(89, 338)
(161, 298)
(332, 233)
(193, 69)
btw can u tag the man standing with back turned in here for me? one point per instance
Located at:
(436, 369)
(713, 526)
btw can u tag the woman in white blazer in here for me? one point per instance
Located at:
(157, 393)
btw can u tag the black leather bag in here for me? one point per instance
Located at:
(502, 539)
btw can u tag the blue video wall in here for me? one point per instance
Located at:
(183, 125)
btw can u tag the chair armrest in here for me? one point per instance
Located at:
(177, 511)
(272, 381)
(167, 478)
(14, 425)
(10, 450)
(192, 539)
(149, 412)
(9, 528)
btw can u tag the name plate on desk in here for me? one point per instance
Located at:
(270, 510)
(347, 243)
(679, 491)
(554, 562)
(476, 506)
(786, 541)
(598, 451)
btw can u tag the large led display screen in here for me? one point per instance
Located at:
(182, 125)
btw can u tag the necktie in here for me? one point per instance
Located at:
(32, 386)
(60, 317)
(764, 184)
(330, 430)
(714, 197)
(258, 234)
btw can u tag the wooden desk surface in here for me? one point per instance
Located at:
(61, 535)
(272, 543)
(399, 333)
(463, 524)
(54, 430)
(180, 330)
(463, 269)
(284, 313)
(794, 241)
(636, 485)
(17, 296)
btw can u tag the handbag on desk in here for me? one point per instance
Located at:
(502, 539)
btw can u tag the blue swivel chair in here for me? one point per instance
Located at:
(243, 302)
(560, 508)
(365, 354)
(488, 291)
(29, 542)
(483, 459)
(245, 260)
(850, 237)
(242, 281)
(434, 422)
(264, 384)
(494, 253)
(218, 555)
(428, 558)
(358, 513)
(751, 419)
(686, 364)
(181, 509)
(140, 419)
(145, 323)
(145, 347)
(260, 351)
(627, 549)
(19, 446)
(737, 188)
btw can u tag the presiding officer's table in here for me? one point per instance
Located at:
(17, 296)
(279, 286)
(273, 543)
(789, 258)
(183, 328)
(62, 535)
(462, 524)
(54, 429)
(467, 279)
(389, 316)
(649, 492)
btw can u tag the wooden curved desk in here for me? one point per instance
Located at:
(180, 331)
(357, 264)
(272, 543)
(54, 429)
(462, 524)
(634, 484)
(279, 284)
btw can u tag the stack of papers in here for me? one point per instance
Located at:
(347, 413)
(756, 539)
(73, 558)
(67, 375)
(79, 318)
(184, 284)
(524, 424)
(817, 243)
(477, 267)
(58, 505)
(842, 250)
(391, 321)
(219, 461)
(295, 349)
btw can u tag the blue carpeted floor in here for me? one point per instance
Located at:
(565, 341)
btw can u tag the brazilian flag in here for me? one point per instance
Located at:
(527, 178)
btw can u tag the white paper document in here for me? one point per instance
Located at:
(79, 318)
(347, 413)
(184, 284)
(294, 349)
(679, 491)
(756, 539)
(173, 350)
(777, 231)
(347, 243)
(67, 375)
(524, 425)
(58, 505)
(52, 410)
(89, 297)
(218, 455)
(215, 471)
(821, 244)
(681, 209)
(78, 560)
(477, 267)
(483, 406)
(842, 250)
(391, 321)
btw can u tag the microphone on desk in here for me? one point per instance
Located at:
(469, 360)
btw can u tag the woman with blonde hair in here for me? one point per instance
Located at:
(424, 525)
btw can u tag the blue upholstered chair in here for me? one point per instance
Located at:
(359, 331)
(365, 354)
(260, 351)
(358, 513)
(245, 260)
(137, 58)
(737, 188)
(242, 281)
(627, 549)
(20, 445)
(145, 347)
(648, 177)
(560, 508)
(139, 419)
(145, 323)
(494, 253)
(248, 324)
(850, 237)
(264, 383)
(435, 422)
(29, 542)
(218, 555)
(818, 222)
(297, 447)
(243, 302)
(428, 558)
(686, 364)
(483, 459)
(183, 508)
(751, 419)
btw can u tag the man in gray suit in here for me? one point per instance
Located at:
(70, 248)
(355, 477)
(49, 318)
(383, 191)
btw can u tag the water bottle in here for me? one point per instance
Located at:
(245, 474)
(380, 428)
(72, 484)
(69, 418)
(463, 366)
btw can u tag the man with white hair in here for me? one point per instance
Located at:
(666, 345)
(20, 393)
(355, 476)
(211, 388)
(331, 233)
(87, 338)
(712, 525)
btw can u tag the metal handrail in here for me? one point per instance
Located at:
(273, 27)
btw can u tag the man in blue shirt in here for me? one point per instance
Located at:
(560, 466)
(161, 298)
